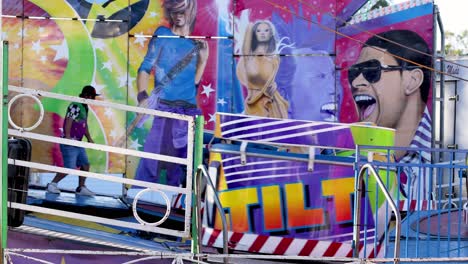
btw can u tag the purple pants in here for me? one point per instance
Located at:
(167, 136)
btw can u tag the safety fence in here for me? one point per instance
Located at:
(431, 197)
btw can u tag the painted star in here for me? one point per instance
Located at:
(153, 14)
(16, 46)
(140, 39)
(107, 65)
(98, 44)
(134, 144)
(23, 32)
(4, 35)
(40, 30)
(207, 90)
(36, 46)
(122, 81)
(221, 101)
(130, 81)
(113, 134)
(43, 59)
(61, 50)
(108, 112)
(212, 118)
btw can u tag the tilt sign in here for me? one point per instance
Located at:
(288, 202)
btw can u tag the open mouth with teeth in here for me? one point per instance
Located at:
(329, 110)
(365, 104)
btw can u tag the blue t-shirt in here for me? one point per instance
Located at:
(162, 55)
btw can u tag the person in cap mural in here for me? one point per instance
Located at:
(390, 84)
(178, 65)
(75, 127)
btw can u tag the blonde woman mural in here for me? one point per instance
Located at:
(257, 70)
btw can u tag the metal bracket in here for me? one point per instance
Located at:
(243, 155)
(452, 146)
(310, 164)
(455, 98)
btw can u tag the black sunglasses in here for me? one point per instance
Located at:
(372, 70)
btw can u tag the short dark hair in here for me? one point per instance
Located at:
(88, 90)
(413, 41)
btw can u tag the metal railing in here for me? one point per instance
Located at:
(201, 171)
(357, 211)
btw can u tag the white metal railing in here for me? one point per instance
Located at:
(18, 131)
(357, 210)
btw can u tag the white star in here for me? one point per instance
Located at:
(98, 44)
(108, 112)
(43, 59)
(61, 50)
(36, 46)
(4, 35)
(40, 29)
(207, 90)
(130, 81)
(23, 32)
(134, 144)
(16, 46)
(212, 118)
(222, 102)
(122, 81)
(153, 14)
(107, 65)
(140, 39)
(113, 134)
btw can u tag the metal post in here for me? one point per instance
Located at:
(197, 161)
(202, 170)
(357, 213)
(4, 142)
(438, 21)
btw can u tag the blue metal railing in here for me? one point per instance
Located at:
(433, 226)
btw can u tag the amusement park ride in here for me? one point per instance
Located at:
(255, 188)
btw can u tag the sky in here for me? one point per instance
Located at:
(453, 14)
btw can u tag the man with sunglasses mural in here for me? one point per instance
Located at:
(391, 89)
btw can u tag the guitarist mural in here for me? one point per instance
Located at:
(178, 65)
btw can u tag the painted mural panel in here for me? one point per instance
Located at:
(386, 80)
(276, 44)
(231, 73)
(293, 25)
(108, 55)
(13, 8)
(67, 54)
(274, 59)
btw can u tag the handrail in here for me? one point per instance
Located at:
(357, 212)
(4, 150)
(202, 170)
